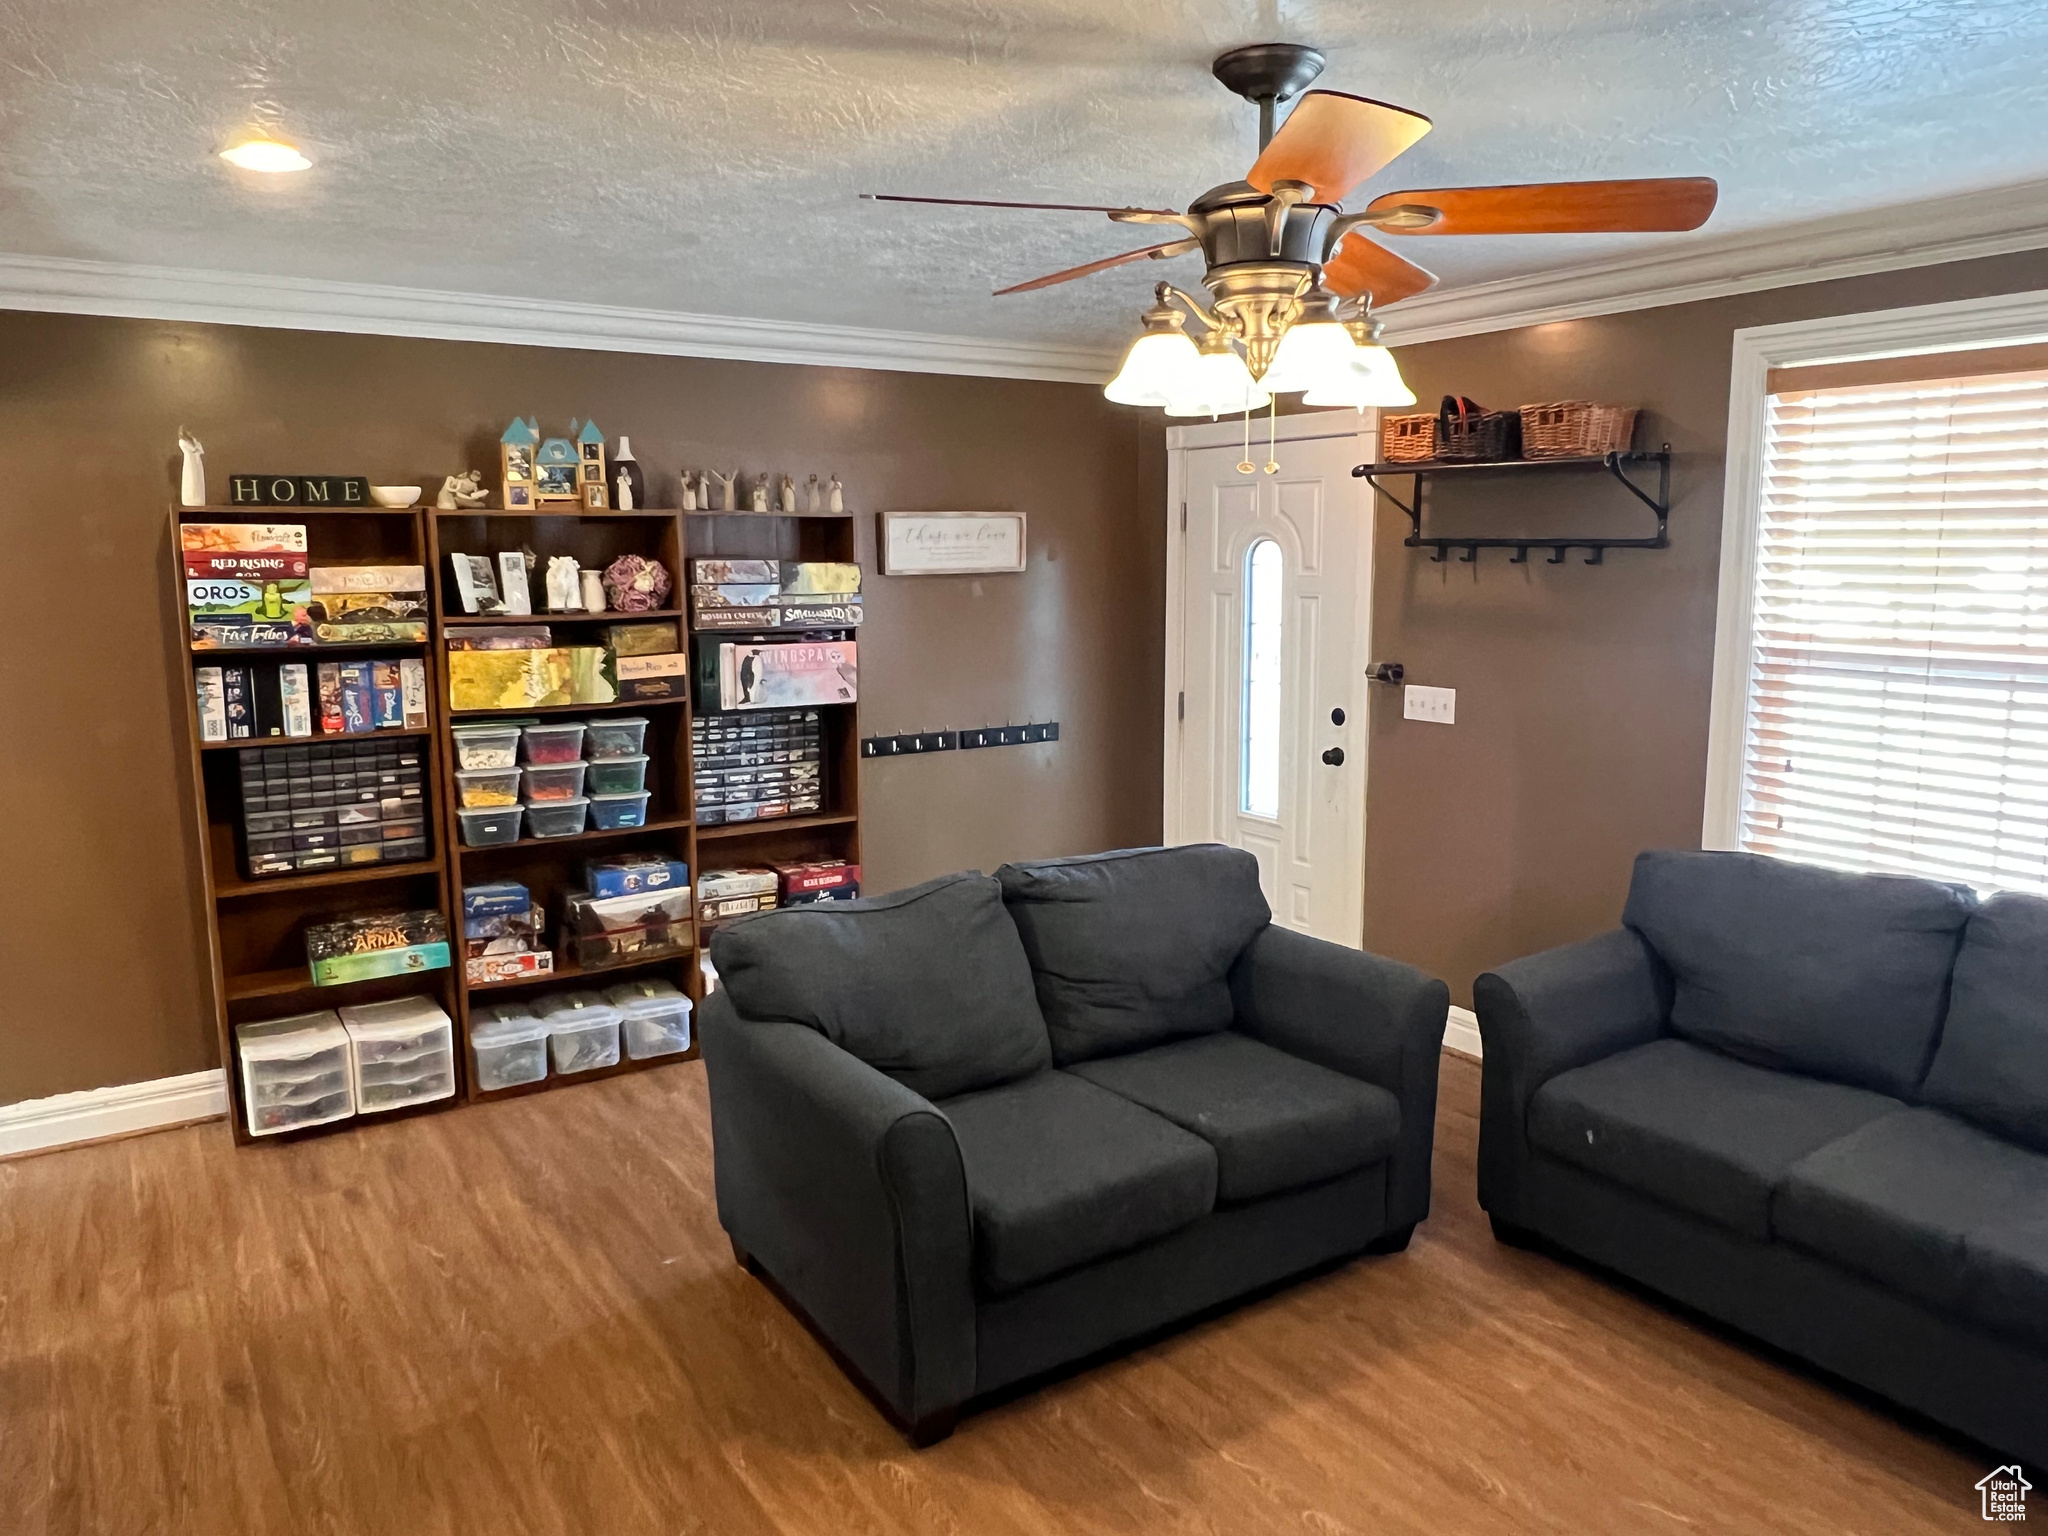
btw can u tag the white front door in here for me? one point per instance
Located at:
(1268, 625)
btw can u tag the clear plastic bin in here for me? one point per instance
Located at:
(621, 737)
(609, 812)
(510, 1048)
(584, 1039)
(402, 1052)
(491, 825)
(557, 782)
(481, 787)
(654, 1018)
(561, 743)
(556, 818)
(295, 1072)
(486, 746)
(617, 775)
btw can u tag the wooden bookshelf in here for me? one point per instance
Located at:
(255, 929)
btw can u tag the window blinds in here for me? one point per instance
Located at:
(1898, 707)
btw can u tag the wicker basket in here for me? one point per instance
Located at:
(1469, 433)
(1407, 439)
(1576, 429)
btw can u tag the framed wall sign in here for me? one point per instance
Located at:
(298, 491)
(950, 543)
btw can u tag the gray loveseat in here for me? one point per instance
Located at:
(983, 1128)
(1812, 1105)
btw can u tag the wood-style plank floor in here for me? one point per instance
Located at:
(523, 1317)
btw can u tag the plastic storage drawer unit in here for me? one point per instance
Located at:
(618, 775)
(654, 1018)
(295, 1072)
(403, 1052)
(615, 738)
(488, 826)
(610, 812)
(583, 1032)
(486, 746)
(556, 818)
(510, 1048)
(552, 743)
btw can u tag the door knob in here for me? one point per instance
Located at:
(1334, 757)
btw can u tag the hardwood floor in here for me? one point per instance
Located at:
(523, 1317)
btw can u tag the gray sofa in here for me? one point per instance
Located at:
(1812, 1105)
(983, 1128)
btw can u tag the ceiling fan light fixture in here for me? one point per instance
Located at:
(1217, 383)
(1375, 378)
(1159, 362)
(1313, 354)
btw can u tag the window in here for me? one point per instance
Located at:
(1259, 761)
(1896, 717)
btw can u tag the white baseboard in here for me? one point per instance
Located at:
(1461, 1032)
(98, 1114)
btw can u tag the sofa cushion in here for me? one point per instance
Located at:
(1700, 1130)
(2005, 1278)
(1277, 1122)
(1900, 1199)
(1992, 1064)
(929, 984)
(1061, 1172)
(1788, 965)
(1131, 949)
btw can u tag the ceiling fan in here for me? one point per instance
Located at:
(1293, 279)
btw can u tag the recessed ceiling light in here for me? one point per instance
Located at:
(266, 155)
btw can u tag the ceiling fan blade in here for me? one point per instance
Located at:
(984, 202)
(1364, 266)
(1162, 251)
(1666, 204)
(1333, 142)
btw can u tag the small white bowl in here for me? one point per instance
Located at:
(394, 495)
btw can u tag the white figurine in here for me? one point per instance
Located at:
(788, 494)
(192, 483)
(625, 502)
(689, 491)
(811, 488)
(837, 502)
(563, 593)
(463, 490)
(593, 588)
(728, 496)
(760, 497)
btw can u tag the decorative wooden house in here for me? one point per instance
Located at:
(515, 459)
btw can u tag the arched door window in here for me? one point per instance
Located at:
(1259, 759)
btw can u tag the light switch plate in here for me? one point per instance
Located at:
(1436, 705)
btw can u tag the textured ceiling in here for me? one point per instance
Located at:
(706, 157)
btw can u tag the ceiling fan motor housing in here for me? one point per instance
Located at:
(1252, 285)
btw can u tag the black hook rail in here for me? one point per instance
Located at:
(1596, 548)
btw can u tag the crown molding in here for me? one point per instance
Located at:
(1919, 234)
(62, 285)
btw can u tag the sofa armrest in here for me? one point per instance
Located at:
(849, 1191)
(1547, 1014)
(1368, 1017)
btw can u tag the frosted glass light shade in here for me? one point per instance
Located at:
(1374, 379)
(266, 155)
(1216, 384)
(1157, 366)
(1312, 353)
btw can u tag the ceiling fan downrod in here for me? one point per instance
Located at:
(1268, 74)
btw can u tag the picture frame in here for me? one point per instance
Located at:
(951, 543)
(518, 462)
(556, 482)
(518, 498)
(593, 495)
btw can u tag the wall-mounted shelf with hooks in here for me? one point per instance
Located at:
(1596, 547)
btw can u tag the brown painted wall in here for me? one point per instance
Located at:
(1583, 692)
(96, 936)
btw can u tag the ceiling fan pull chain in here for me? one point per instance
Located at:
(1245, 466)
(1272, 436)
